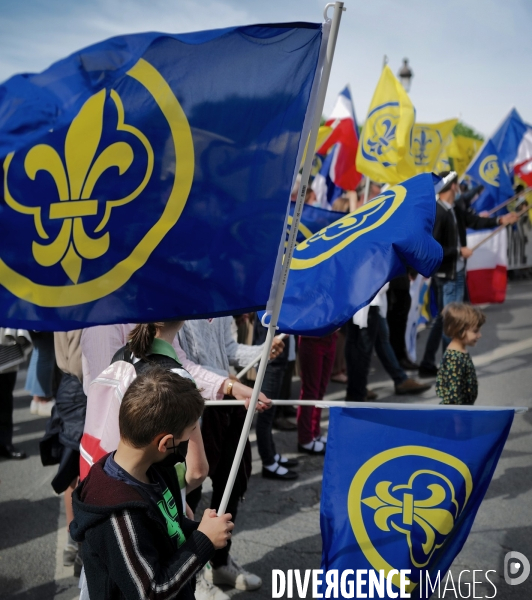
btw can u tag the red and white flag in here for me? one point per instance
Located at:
(523, 160)
(343, 121)
(487, 268)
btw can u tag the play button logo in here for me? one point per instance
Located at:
(516, 568)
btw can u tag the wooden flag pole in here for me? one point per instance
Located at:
(494, 210)
(495, 232)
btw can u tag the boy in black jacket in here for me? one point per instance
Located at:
(128, 511)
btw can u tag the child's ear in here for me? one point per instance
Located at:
(165, 443)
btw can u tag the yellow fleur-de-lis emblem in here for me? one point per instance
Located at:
(399, 508)
(75, 177)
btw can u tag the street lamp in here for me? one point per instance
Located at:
(405, 75)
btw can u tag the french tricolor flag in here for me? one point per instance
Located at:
(523, 160)
(339, 172)
(487, 268)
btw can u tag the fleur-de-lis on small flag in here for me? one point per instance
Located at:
(380, 143)
(399, 508)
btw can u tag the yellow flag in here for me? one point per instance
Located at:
(462, 150)
(384, 148)
(428, 143)
(443, 164)
(323, 133)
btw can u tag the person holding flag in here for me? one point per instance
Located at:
(449, 279)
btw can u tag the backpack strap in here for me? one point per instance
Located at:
(143, 365)
(165, 362)
(124, 354)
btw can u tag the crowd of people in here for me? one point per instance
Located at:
(131, 519)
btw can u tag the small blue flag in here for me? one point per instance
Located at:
(401, 489)
(147, 177)
(508, 137)
(491, 172)
(341, 268)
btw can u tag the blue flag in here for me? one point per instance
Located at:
(491, 172)
(341, 268)
(508, 137)
(312, 220)
(138, 175)
(401, 489)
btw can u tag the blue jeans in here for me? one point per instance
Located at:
(386, 355)
(40, 376)
(447, 291)
(453, 291)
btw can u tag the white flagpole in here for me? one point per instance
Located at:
(298, 209)
(366, 189)
(378, 405)
(254, 362)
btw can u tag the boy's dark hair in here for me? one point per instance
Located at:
(156, 402)
(459, 318)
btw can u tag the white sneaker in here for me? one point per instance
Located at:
(233, 574)
(34, 407)
(205, 590)
(45, 408)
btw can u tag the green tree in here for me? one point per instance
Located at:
(462, 129)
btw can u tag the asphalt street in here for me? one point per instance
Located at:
(278, 524)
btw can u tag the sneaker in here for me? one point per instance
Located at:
(205, 590)
(234, 575)
(45, 408)
(70, 553)
(34, 407)
(411, 386)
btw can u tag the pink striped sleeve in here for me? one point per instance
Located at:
(210, 384)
